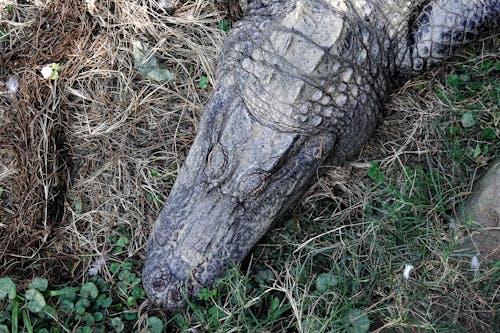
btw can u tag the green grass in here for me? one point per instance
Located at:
(95, 306)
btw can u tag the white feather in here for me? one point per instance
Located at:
(406, 272)
(475, 262)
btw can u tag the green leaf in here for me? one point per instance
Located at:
(99, 329)
(5, 314)
(103, 301)
(39, 284)
(454, 130)
(47, 312)
(374, 172)
(126, 276)
(88, 318)
(155, 325)
(84, 329)
(159, 74)
(147, 64)
(101, 284)
(81, 305)
(77, 206)
(224, 26)
(84, 302)
(122, 288)
(1, 192)
(275, 304)
(35, 299)
(357, 321)
(131, 301)
(131, 316)
(117, 324)
(468, 120)
(311, 324)
(100, 299)
(7, 288)
(137, 292)
(4, 329)
(114, 267)
(122, 241)
(203, 82)
(127, 265)
(118, 250)
(4, 34)
(477, 151)
(135, 281)
(325, 281)
(180, 320)
(98, 316)
(264, 276)
(214, 315)
(453, 79)
(67, 305)
(205, 294)
(489, 133)
(89, 290)
(420, 86)
(464, 77)
(9, 8)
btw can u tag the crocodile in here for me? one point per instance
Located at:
(299, 83)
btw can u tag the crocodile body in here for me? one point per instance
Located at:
(299, 83)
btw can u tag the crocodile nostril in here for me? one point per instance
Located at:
(159, 284)
(174, 295)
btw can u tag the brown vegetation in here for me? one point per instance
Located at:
(78, 152)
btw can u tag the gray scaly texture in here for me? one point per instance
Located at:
(299, 83)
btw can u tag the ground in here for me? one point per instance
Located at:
(88, 158)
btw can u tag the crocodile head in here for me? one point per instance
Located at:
(239, 176)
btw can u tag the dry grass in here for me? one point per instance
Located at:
(80, 150)
(34, 164)
(94, 153)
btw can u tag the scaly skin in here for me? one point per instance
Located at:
(299, 83)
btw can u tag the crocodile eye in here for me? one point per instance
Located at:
(216, 161)
(252, 183)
